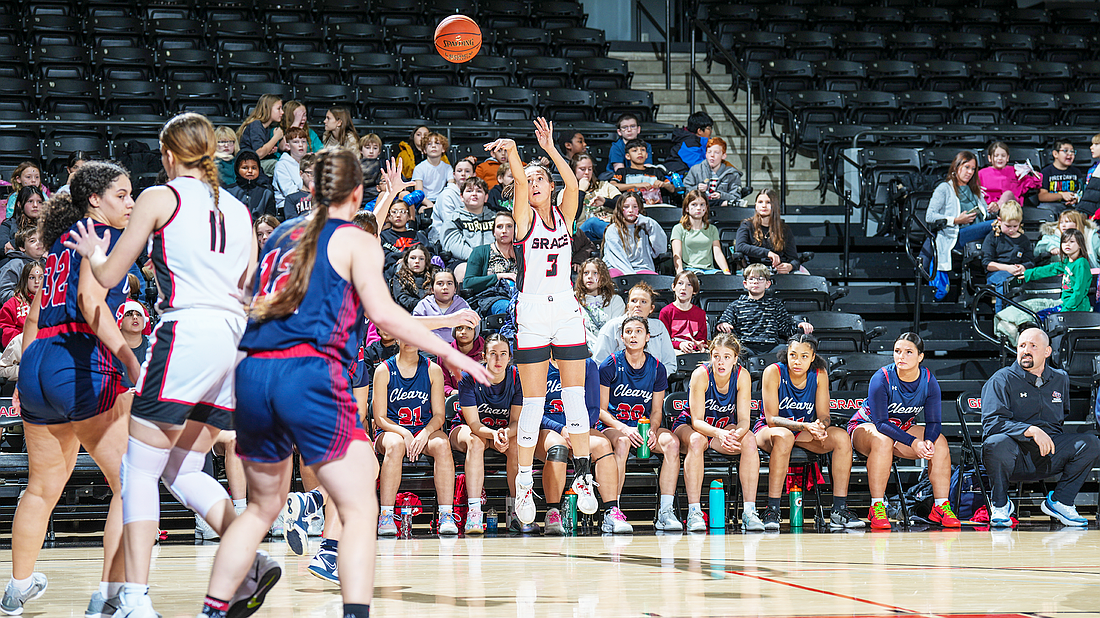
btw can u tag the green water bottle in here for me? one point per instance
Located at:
(796, 507)
(643, 430)
(570, 518)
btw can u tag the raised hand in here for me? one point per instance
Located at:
(394, 181)
(504, 142)
(544, 133)
(84, 240)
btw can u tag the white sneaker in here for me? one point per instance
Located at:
(386, 525)
(203, 531)
(13, 601)
(142, 607)
(614, 521)
(697, 523)
(752, 521)
(261, 578)
(102, 607)
(317, 524)
(554, 525)
(525, 503)
(1001, 516)
(584, 487)
(448, 523)
(1065, 513)
(667, 521)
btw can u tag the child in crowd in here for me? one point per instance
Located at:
(761, 322)
(686, 322)
(77, 159)
(690, 143)
(695, 244)
(633, 241)
(301, 201)
(29, 203)
(397, 236)
(13, 316)
(450, 200)
(471, 225)
(1090, 194)
(1049, 245)
(639, 303)
(339, 130)
(1002, 183)
(572, 144)
(648, 180)
(261, 131)
(628, 129)
(1061, 181)
(594, 193)
(413, 278)
(253, 187)
(295, 114)
(1006, 252)
(500, 191)
(370, 154)
(26, 174)
(469, 341)
(595, 291)
(715, 177)
(225, 153)
(764, 238)
(442, 301)
(431, 174)
(288, 171)
(412, 151)
(595, 226)
(488, 170)
(28, 249)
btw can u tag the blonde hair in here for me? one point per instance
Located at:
(261, 112)
(1011, 211)
(725, 340)
(757, 270)
(190, 137)
(19, 169)
(370, 138)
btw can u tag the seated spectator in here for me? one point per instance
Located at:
(295, 114)
(14, 312)
(301, 201)
(1090, 194)
(26, 174)
(288, 171)
(469, 226)
(261, 132)
(253, 187)
(396, 235)
(413, 278)
(765, 239)
(133, 323)
(339, 130)
(633, 241)
(500, 192)
(487, 169)
(648, 180)
(442, 301)
(628, 129)
(593, 193)
(1050, 241)
(685, 321)
(468, 341)
(715, 177)
(28, 249)
(760, 321)
(572, 144)
(76, 160)
(640, 304)
(225, 154)
(263, 227)
(1061, 181)
(600, 303)
(450, 200)
(1024, 409)
(956, 202)
(370, 154)
(595, 226)
(409, 422)
(490, 273)
(1006, 252)
(695, 245)
(689, 144)
(411, 151)
(28, 206)
(371, 355)
(1001, 183)
(431, 174)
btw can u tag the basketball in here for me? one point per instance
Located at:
(457, 38)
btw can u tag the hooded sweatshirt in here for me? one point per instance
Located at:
(688, 149)
(726, 181)
(637, 254)
(429, 306)
(256, 194)
(465, 230)
(477, 352)
(1051, 238)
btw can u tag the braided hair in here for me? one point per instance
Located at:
(190, 137)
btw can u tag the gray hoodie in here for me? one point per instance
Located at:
(465, 230)
(728, 183)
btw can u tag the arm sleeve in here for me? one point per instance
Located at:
(254, 136)
(730, 187)
(877, 405)
(937, 206)
(453, 240)
(1028, 259)
(658, 239)
(9, 277)
(693, 178)
(5, 232)
(9, 323)
(614, 255)
(660, 383)
(933, 410)
(605, 342)
(745, 245)
(402, 296)
(783, 319)
(616, 155)
(478, 278)
(728, 315)
(285, 179)
(987, 251)
(552, 425)
(418, 172)
(1082, 281)
(996, 414)
(790, 249)
(1039, 272)
(467, 395)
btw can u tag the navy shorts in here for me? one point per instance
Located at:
(289, 401)
(68, 377)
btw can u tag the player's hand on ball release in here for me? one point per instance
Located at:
(504, 142)
(544, 133)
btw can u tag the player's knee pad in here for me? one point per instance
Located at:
(184, 478)
(576, 413)
(558, 452)
(530, 420)
(140, 474)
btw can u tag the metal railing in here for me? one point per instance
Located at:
(640, 9)
(984, 291)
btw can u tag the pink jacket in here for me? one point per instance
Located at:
(997, 181)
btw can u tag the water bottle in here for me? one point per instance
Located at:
(677, 180)
(406, 522)
(570, 515)
(795, 496)
(717, 505)
(643, 430)
(414, 198)
(491, 521)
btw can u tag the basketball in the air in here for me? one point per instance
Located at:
(457, 38)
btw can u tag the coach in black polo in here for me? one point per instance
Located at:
(1024, 407)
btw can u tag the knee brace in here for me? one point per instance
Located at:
(184, 478)
(558, 452)
(530, 420)
(140, 472)
(576, 414)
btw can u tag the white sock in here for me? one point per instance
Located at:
(695, 508)
(474, 504)
(103, 588)
(114, 589)
(385, 510)
(666, 502)
(875, 501)
(242, 503)
(941, 502)
(525, 476)
(445, 508)
(133, 592)
(23, 585)
(750, 506)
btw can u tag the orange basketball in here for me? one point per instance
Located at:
(457, 38)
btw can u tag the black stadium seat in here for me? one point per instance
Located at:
(243, 96)
(912, 46)
(208, 98)
(892, 75)
(1034, 108)
(562, 105)
(121, 97)
(601, 73)
(68, 95)
(188, 65)
(977, 107)
(995, 76)
(506, 103)
(925, 107)
(123, 63)
(372, 69)
(488, 71)
(389, 102)
(841, 75)
(355, 38)
(449, 103)
(250, 66)
(861, 46)
(1050, 77)
(811, 46)
(614, 103)
(429, 70)
(554, 14)
(579, 42)
(504, 14)
(544, 72)
(872, 107)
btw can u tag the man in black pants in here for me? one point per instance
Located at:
(1023, 409)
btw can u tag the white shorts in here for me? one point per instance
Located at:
(548, 323)
(190, 367)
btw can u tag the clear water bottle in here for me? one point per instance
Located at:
(406, 522)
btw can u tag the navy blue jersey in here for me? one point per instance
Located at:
(893, 405)
(409, 400)
(59, 312)
(494, 402)
(721, 408)
(330, 317)
(631, 396)
(797, 404)
(553, 416)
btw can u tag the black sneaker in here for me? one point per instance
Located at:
(843, 518)
(771, 519)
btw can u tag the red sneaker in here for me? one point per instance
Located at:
(877, 516)
(944, 516)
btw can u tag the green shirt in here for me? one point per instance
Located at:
(696, 245)
(1076, 280)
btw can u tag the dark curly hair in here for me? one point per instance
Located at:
(65, 209)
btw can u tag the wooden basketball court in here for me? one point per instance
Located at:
(1040, 571)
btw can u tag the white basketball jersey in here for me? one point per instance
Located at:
(544, 256)
(200, 254)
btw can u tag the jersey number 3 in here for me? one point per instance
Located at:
(553, 270)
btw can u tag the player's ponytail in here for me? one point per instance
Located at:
(190, 137)
(337, 172)
(65, 209)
